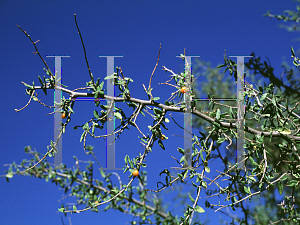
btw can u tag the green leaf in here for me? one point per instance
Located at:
(185, 174)
(143, 140)
(96, 94)
(263, 97)
(157, 111)
(97, 82)
(203, 183)
(101, 85)
(284, 131)
(220, 66)
(295, 62)
(10, 174)
(195, 185)
(71, 110)
(74, 207)
(274, 101)
(131, 164)
(220, 140)
(247, 190)
(92, 77)
(93, 129)
(41, 81)
(231, 113)
(156, 98)
(218, 114)
(96, 114)
(126, 159)
(216, 125)
(201, 155)
(181, 150)
(191, 198)
(45, 91)
(292, 183)
(292, 50)
(284, 178)
(252, 161)
(182, 159)
(118, 115)
(207, 169)
(82, 136)
(61, 209)
(28, 86)
(160, 143)
(125, 169)
(85, 126)
(114, 191)
(111, 76)
(199, 209)
(251, 178)
(280, 187)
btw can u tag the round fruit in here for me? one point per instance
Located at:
(63, 115)
(135, 173)
(183, 90)
(162, 137)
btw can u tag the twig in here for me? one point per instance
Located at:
(266, 164)
(154, 71)
(37, 162)
(122, 73)
(18, 110)
(145, 89)
(37, 51)
(87, 63)
(179, 125)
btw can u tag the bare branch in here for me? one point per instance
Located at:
(154, 71)
(86, 60)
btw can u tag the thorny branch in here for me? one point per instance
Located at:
(207, 144)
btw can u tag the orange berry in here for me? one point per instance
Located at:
(135, 173)
(63, 115)
(162, 137)
(183, 90)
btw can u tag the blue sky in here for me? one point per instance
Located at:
(133, 29)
